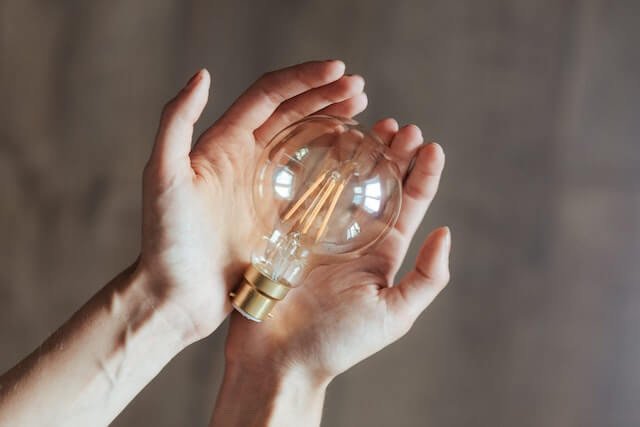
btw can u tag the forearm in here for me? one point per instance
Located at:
(267, 397)
(89, 369)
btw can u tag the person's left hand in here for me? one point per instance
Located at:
(197, 226)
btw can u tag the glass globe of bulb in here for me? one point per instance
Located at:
(324, 190)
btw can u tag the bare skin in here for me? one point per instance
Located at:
(342, 313)
(176, 292)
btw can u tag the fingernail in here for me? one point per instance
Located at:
(194, 80)
(447, 237)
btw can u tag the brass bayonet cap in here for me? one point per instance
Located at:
(257, 294)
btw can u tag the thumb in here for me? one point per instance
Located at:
(422, 284)
(173, 141)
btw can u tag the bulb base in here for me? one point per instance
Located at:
(257, 294)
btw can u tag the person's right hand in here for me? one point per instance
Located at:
(197, 222)
(345, 312)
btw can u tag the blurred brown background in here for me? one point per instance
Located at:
(535, 102)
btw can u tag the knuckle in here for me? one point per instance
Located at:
(289, 115)
(342, 90)
(328, 98)
(339, 88)
(267, 88)
(306, 78)
(415, 191)
(265, 77)
(424, 275)
(169, 109)
(354, 83)
(327, 72)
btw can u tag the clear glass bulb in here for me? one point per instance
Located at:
(324, 189)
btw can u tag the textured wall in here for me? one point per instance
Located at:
(535, 102)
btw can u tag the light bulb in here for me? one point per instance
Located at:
(324, 190)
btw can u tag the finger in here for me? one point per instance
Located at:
(348, 108)
(173, 140)
(420, 187)
(257, 104)
(308, 103)
(421, 285)
(405, 145)
(386, 129)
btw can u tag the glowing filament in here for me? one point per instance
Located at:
(329, 212)
(304, 197)
(316, 209)
(327, 188)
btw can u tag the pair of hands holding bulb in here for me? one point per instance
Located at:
(197, 236)
(318, 333)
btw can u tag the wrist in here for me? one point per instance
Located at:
(153, 294)
(145, 301)
(270, 377)
(260, 354)
(269, 395)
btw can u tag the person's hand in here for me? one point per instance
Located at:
(345, 312)
(197, 227)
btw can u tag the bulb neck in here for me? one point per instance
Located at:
(257, 294)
